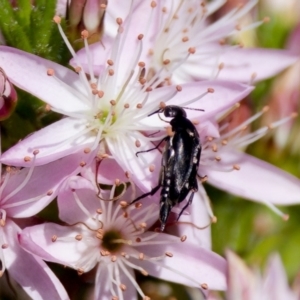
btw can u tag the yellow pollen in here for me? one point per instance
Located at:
(214, 219)
(153, 4)
(100, 94)
(82, 164)
(84, 34)
(236, 167)
(192, 50)
(77, 69)
(183, 238)
(50, 72)
(204, 286)
(49, 193)
(151, 168)
(143, 225)
(224, 142)
(80, 271)
(78, 237)
(57, 19)
(138, 205)
(145, 273)
(285, 217)
(238, 27)
(123, 203)
(178, 88)
(137, 143)
(87, 150)
(119, 21)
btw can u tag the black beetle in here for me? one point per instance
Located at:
(179, 165)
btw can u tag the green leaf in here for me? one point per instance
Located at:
(13, 32)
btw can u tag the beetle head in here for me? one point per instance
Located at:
(173, 111)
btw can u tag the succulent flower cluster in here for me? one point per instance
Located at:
(147, 55)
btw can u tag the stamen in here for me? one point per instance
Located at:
(26, 180)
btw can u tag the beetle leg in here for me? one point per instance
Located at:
(156, 147)
(151, 193)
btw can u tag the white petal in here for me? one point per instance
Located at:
(53, 142)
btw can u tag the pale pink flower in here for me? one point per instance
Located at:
(106, 114)
(247, 284)
(115, 239)
(24, 193)
(236, 172)
(173, 28)
(285, 98)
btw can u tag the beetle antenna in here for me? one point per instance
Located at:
(163, 119)
(155, 112)
(191, 108)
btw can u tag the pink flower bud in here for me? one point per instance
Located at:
(8, 97)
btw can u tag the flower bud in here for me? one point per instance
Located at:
(8, 97)
(86, 14)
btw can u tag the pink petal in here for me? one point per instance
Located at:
(53, 142)
(240, 64)
(276, 283)
(197, 263)
(123, 149)
(30, 272)
(29, 72)
(105, 174)
(103, 282)
(38, 240)
(242, 283)
(42, 185)
(69, 211)
(198, 217)
(256, 180)
(225, 95)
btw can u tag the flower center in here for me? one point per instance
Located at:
(110, 241)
